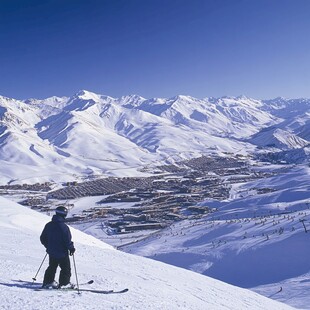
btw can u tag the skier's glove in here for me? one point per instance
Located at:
(71, 251)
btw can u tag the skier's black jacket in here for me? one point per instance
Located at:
(56, 237)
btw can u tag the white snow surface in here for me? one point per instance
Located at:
(254, 240)
(152, 285)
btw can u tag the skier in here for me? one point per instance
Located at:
(56, 237)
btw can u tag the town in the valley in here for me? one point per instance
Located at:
(125, 205)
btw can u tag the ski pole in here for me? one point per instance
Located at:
(35, 277)
(77, 282)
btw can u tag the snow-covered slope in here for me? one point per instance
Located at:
(20, 145)
(229, 117)
(152, 285)
(255, 239)
(278, 138)
(287, 108)
(293, 131)
(90, 134)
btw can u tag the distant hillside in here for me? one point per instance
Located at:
(88, 134)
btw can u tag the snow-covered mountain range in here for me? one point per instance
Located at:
(63, 138)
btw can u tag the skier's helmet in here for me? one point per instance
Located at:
(62, 211)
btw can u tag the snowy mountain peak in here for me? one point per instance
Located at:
(183, 98)
(131, 131)
(5, 99)
(53, 101)
(131, 101)
(87, 95)
(243, 97)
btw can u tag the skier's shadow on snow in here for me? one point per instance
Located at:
(22, 284)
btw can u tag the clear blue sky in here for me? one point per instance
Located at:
(155, 48)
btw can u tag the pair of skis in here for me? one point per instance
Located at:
(79, 290)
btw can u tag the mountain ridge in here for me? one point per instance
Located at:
(133, 131)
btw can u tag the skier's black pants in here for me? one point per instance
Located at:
(65, 272)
